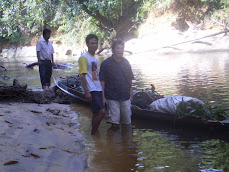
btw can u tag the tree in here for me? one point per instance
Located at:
(119, 18)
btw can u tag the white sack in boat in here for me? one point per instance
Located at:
(169, 104)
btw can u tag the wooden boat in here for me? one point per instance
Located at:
(146, 114)
(72, 86)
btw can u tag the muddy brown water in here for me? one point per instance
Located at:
(149, 145)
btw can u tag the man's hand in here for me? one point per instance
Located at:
(54, 65)
(104, 101)
(131, 98)
(38, 58)
(84, 85)
(88, 96)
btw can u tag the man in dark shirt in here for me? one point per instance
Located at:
(116, 79)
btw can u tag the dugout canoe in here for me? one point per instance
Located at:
(146, 114)
(71, 85)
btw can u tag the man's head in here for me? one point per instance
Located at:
(46, 34)
(92, 43)
(118, 49)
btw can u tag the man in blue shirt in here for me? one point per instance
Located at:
(116, 79)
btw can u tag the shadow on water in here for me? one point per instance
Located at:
(180, 148)
(186, 132)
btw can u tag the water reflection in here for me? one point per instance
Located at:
(152, 146)
(118, 151)
(215, 152)
(162, 152)
(180, 148)
(109, 149)
(203, 75)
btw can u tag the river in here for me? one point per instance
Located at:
(147, 145)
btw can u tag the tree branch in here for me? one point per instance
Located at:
(98, 16)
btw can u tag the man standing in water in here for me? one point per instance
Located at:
(45, 52)
(88, 64)
(116, 78)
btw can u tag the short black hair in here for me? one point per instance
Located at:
(90, 36)
(117, 42)
(45, 31)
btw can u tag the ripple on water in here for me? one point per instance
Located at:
(154, 146)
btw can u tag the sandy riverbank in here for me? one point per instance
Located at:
(40, 137)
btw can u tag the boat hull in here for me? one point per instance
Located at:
(70, 86)
(139, 113)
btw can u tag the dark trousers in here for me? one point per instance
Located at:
(45, 70)
(96, 102)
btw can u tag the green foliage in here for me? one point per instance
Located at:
(222, 14)
(204, 111)
(105, 18)
(3, 40)
(73, 19)
(216, 153)
(163, 4)
(197, 10)
(18, 39)
(117, 18)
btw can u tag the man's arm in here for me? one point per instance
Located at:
(101, 77)
(53, 64)
(84, 85)
(131, 76)
(131, 92)
(38, 57)
(83, 62)
(52, 57)
(103, 94)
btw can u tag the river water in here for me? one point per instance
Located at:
(148, 145)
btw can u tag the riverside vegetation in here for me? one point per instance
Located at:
(22, 21)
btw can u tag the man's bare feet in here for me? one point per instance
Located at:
(115, 126)
(46, 88)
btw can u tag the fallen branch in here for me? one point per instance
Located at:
(20, 93)
(169, 46)
(31, 65)
(218, 33)
(201, 42)
(224, 25)
(3, 67)
(102, 49)
(56, 65)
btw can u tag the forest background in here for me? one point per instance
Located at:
(22, 21)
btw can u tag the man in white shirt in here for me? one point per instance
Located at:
(45, 52)
(88, 65)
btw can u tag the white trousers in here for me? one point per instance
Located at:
(119, 111)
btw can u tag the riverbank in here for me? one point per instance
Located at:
(166, 41)
(40, 137)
